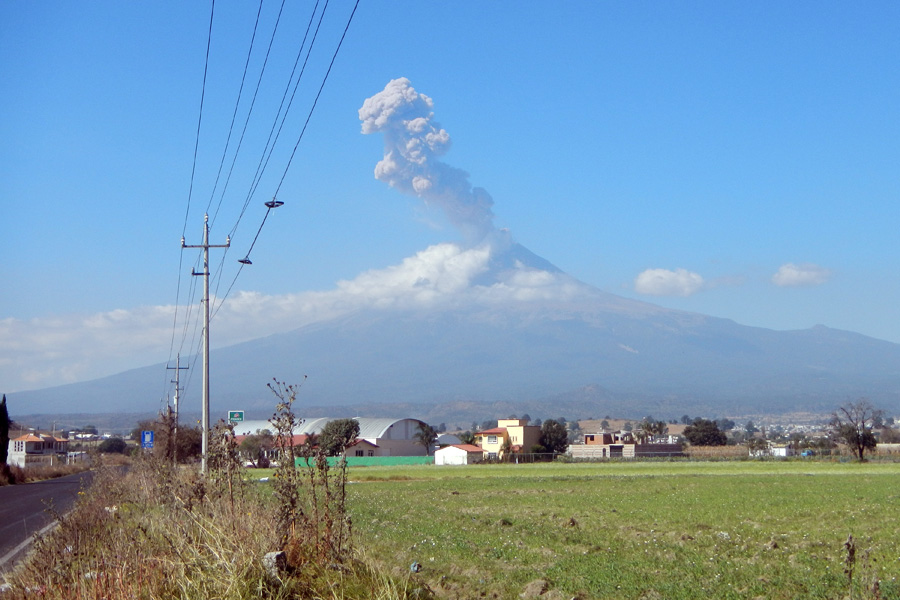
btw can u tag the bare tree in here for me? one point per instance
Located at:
(853, 423)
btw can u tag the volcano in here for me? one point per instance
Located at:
(514, 329)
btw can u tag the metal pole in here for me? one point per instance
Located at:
(205, 416)
(177, 369)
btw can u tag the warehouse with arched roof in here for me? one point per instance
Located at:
(384, 436)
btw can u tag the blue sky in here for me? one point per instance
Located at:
(734, 159)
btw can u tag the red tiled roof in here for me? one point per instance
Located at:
(495, 431)
(358, 441)
(28, 437)
(296, 440)
(467, 447)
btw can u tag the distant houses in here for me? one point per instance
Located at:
(622, 444)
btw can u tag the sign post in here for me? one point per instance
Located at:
(147, 439)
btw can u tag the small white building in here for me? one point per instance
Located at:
(458, 454)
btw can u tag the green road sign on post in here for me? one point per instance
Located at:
(235, 416)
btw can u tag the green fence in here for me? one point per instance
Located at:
(376, 461)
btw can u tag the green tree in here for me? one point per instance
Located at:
(757, 445)
(853, 423)
(649, 428)
(725, 424)
(425, 436)
(467, 437)
(4, 431)
(256, 447)
(554, 436)
(114, 445)
(703, 432)
(188, 441)
(337, 435)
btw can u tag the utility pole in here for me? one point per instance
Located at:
(205, 417)
(176, 368)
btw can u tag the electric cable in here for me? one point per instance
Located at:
(316, 101)
(256, 91)
(233, 119)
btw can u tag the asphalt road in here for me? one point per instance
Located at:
(23, 511)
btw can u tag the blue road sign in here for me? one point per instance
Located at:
(146, 439)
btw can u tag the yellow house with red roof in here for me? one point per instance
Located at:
(513, 436)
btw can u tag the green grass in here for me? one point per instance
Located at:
(636, 530)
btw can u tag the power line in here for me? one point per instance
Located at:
(270, 143)
(256, 91)
(187, 211)
(316, 101)
(233, 119)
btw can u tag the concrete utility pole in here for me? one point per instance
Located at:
(176, 368)
(206, 246)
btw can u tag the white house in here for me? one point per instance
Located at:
(34, 449)
(458, 454)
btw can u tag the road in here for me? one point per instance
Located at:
(23, 511)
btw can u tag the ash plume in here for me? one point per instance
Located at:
(413, 141)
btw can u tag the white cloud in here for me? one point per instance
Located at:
(62, 349)
(806, 274)
(663, 282)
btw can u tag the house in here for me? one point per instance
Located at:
(34, 449)
(622, 444)
(361, 447)
(776, 450)
(512, 436)
(458, 454)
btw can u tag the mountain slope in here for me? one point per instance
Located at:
(514, 328)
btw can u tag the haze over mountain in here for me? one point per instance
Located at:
(522, 332)
(485, 320)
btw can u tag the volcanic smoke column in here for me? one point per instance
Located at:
(412, 144)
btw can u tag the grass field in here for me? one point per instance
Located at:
(637, 530)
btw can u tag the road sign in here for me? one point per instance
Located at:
(147, 439)
(235, 416)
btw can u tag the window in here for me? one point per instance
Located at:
(371, 453)
(492, 439)
(359, 453)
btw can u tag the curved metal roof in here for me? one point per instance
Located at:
(369, 428)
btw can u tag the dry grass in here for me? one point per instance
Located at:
(12, 475)
(158, 532)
